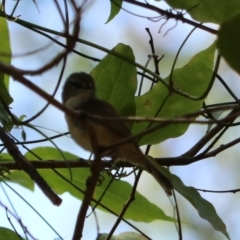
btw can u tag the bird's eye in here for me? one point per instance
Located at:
(82, 85)
(75, 84)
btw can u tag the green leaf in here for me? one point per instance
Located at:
(5, 119)
(228, 42)
(24, 136)
(140, 209)
(8, 234)
(21, 178)
(116, 80)
(115, 197)
(16, 176)
(21, 117)
(115, 9)
(5, 56)
(193, 79)
(4, 157)
(5, 48)
(3, 90)
(123, 236)
(205, 209)
(214, 11)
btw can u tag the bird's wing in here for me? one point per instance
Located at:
(104, 109)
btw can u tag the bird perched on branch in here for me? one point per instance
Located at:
(79, 94)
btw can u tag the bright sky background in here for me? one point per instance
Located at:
(128, 29)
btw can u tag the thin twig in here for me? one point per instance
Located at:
(126, 205)
(172, 15)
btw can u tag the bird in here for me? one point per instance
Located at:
(79, 94)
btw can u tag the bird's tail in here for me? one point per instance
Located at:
(133, 154)
(160, 178)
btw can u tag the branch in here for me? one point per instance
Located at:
(169, 15)
(91, 182)
(22, 162)
(83, 163)
(70, 44)
(202, 142)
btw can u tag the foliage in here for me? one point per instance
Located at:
(164, 111)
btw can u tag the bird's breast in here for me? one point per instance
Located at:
(79, 135)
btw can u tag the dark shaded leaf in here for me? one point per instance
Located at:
(7, 234)
(213, 11)
(205, 209)
(228, 42)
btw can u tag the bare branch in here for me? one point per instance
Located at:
(28, 168)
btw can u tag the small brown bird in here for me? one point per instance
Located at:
(79, 94)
